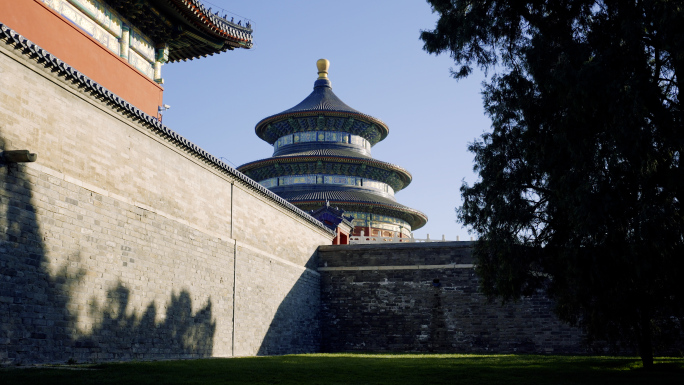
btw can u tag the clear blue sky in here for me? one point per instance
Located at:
(377, 67)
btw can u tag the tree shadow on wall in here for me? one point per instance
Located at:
(119, 335)
(295, 327)
(43, 289)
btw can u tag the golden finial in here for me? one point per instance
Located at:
(323, 66)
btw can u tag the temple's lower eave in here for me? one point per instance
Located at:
(415, 218)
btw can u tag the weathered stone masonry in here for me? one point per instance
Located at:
(126, 241)
(418, 297)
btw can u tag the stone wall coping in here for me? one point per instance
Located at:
(399, 267)
(33, 51)
(396, 246)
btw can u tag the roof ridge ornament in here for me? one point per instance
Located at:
(323, 65)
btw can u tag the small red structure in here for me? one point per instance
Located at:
(334, 219)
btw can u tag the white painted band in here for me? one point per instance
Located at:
(404, 267)
(267, 255)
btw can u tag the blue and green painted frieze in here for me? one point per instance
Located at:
(369, 131)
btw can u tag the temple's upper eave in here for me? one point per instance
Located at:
(321, 101)
(263, 124)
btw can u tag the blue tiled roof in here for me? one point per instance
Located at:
(403, 175)
(327, 152)
(350, 198)
(322, 100)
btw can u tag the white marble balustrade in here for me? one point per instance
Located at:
(368, 239)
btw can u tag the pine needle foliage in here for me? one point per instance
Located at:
(581, 181)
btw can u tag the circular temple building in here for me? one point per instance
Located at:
(322, 157)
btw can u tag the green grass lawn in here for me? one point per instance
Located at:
(362, 369)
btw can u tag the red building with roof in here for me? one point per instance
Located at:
(123, 44)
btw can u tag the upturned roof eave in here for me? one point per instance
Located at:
(260, 127)
(420, 218)
(403, 173)
(203, 33)
(194, 12)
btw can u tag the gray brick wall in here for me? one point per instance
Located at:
(383, 298)
(277, 306)
(120, 244)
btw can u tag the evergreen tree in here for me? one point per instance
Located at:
(581, 181)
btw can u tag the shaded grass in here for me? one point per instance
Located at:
(364, 369)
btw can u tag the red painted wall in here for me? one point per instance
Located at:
(342, 238)
(40, 24)
(375, 232)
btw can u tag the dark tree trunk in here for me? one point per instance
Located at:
(646, 341)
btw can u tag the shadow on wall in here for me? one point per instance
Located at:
(295, 327)
(120, 336)
(39, 313)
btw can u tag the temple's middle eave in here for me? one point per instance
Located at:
(402, 172)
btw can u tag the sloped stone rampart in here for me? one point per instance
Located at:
(123, 241)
